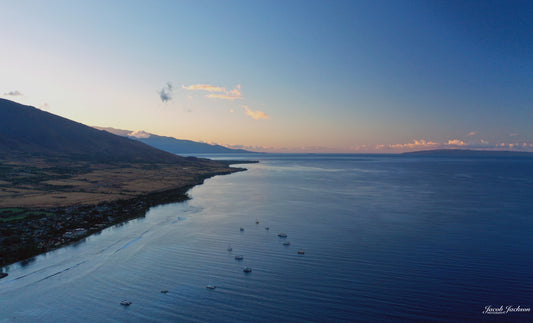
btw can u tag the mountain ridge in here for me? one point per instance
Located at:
(28, 131)
(171, 144)
(57, 175)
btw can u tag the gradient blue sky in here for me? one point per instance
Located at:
(291, 76)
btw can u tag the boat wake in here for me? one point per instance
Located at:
(62, 271)
(131, 242)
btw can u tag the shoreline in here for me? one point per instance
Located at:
(48, 229)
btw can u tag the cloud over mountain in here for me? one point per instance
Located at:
(139, 134)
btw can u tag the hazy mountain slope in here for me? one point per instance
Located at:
(25, 130)
(173, 145)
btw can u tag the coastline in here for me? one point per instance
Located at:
(32, 231)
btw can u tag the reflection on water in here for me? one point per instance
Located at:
(385, 238)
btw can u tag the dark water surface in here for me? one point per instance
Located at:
(386, 238)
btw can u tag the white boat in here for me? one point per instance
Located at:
(239, 257)
(282, 235)
(125, 302)
(210, 286)
(286, 243)
(247, 269)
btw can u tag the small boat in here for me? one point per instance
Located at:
(230, 248)
(286, 243)
(239, 257)
(301, 252)
(125, 302)
(164, 291)
(247, 269)
(2, 275)
(242, 229)
(210, 286)
(282, 235)
(267, 228)
(256, 221)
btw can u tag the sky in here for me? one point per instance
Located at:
(281, 76)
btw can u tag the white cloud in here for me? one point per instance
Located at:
(413, 145)
(455, 142)
(217, 92)
(421, 144)
(204, 87)
(139, 134)
(256, 115)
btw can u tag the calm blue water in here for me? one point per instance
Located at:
(386, 238)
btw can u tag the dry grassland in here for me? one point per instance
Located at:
(40, 184)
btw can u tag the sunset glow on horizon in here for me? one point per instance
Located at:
(299, 76)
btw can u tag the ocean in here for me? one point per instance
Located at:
(384, 238)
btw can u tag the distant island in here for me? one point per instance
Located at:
(469, 153)
(173, 145)
(61, 180)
